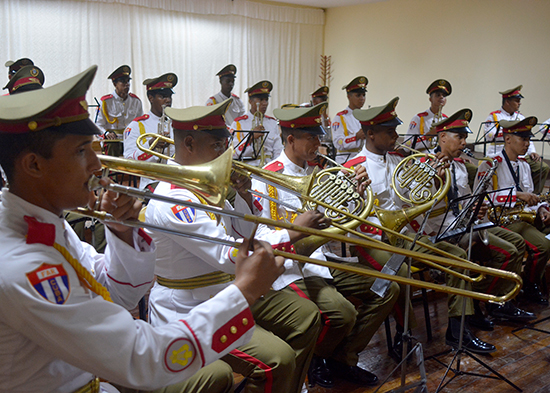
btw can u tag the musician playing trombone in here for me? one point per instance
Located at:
(346, 331)
(159, 94)
(379, 125)
(509, 111)
(514, 171)
(190, 271)
(503, 250)
(57, 333)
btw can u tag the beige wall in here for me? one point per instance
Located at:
(480, 46)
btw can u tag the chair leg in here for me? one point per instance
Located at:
(388, 333)
(426, 309)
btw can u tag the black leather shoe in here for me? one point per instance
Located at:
(353, 374)
(480, 322)
(469, 340)
(533, 294)
(319, 373)
(510, 312)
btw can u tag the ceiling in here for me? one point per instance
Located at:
(326, 3)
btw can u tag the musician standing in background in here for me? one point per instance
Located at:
(159, 94)
(511, 101)
(379, 125)
(52, 283)
(227, 81)
(117, 110)
(190, 271)
(14, 66)
(505, 249)
(347, 135)
(247, 147)
(514, 171)
(347, 330)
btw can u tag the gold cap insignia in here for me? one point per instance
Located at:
(170, 78)
(84, 104)
(467, 115)
(34, 72)
(532, 122)
(265, 84)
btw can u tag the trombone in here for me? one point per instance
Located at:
(301, 186)
(193, 179)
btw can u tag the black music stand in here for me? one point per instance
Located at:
(416, 139)
(249, 141)
(450, 233)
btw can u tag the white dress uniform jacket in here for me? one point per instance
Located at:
(148, 123)
(420, 125)
(380, 169)
(120, 112)
(236, 109)
(344, 127)
(180, 258)
(490, 130)
(504, 179)
(272, 146)
(55, 333)
(265, 208)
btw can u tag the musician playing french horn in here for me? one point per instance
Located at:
(504, 249)
(514, 171)
(251, 148)
(347, 331)
(159, 94)
(379, 125)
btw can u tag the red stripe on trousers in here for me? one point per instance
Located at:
(326, 320)
(535, 260)
(258, 363)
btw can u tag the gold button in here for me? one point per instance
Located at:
(245, 321)
(223, 339)
(32, 125)
(233, 329)
(283, 248)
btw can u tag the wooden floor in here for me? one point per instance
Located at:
(523, 357)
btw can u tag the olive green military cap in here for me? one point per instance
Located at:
(306, 119)
(60, 104)
(262, 87)
(320, 92)
(201, 118)
(358, 83)
(123, 70)
(14, 66)
(457, 122)
(384, 115)
(26, 79)
(440, 84)
(514, 92)
(166, 81)
(519, 127)
(228, 70)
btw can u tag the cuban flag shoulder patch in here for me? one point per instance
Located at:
(51, 282)
(184, 213)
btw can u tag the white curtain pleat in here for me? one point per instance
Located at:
(65, 37)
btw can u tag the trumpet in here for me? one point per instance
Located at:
(181, 175)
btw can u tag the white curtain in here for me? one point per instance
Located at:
(192, 38)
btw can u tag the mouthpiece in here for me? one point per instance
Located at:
(468, 152)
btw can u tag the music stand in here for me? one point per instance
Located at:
(416, 139)
(449, 233)
(249, 141)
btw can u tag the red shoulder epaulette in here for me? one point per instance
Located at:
(423, 114)
(269, 117)
(106, 97)
(144, 117)
(458, 159)
(133, 95)
(495, 112)
(396, 153)
(275, 166)
(234, 95)
(355, 161)
(243, 117)
(444, 115)
(344, 112)
(498, 158)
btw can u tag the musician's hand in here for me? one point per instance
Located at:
(121, 207)
(535, 157)
(482, 211)
(362, 179)
(311, 219)
(544, 215)
(111, 135)
(241, 184)
(254, 274)
(528, 197)
(258, 135)
(360, 134)
(442, 163)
